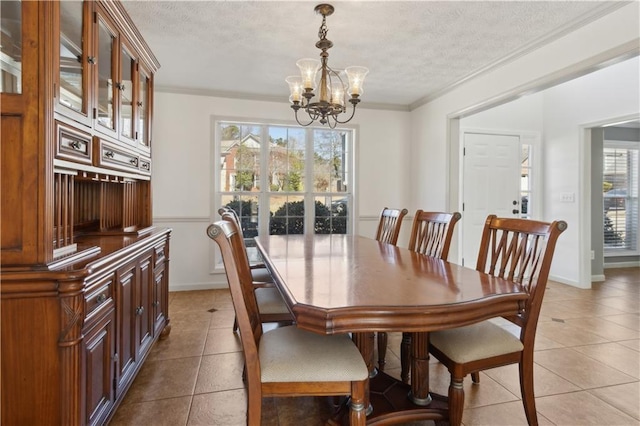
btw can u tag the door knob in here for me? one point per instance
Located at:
(515, 203)
(515, 211)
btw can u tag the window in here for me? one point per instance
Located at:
(620, 197)
(285, 180)
(526, 182)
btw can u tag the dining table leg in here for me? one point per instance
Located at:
(365, 343)
(420, 369)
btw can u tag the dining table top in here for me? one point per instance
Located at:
(349, 283)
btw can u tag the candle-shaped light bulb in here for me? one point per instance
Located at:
(337, 93)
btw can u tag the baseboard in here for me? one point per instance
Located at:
(597, 278)
(197, 286)
(567, 281)
(613, 265)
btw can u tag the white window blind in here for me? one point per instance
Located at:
(620, 197)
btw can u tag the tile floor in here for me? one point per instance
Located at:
(587, 366)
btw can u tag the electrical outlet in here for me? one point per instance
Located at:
(568, 197)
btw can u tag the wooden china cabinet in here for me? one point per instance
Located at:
(84, 274)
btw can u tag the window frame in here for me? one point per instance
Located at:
(263, 195)
(625, 251)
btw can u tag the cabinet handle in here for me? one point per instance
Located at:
(101, 298)
(140, 310)
(75, 145)
(91, 59)
(109, 154)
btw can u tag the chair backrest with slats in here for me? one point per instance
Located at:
(226, 234)
(520, 250)
(431, 233)
(389, 225)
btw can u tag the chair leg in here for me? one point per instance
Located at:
(456, 401)
(526, 388)
(254, 407)
(405, 357)
(358, 412)
(475, 377)
(382, 349)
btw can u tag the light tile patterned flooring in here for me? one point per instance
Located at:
(587, 368)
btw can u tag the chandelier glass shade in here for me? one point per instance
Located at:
(335, 89)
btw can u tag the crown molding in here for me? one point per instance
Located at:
(587, 18)
(263, 98)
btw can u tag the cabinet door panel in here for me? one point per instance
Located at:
(126, 282)
(159, 299)
(99, 350)
(144, 310)
(127, 89)
(107, 51)
(74, 61)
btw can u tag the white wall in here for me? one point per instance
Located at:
(182, 150)
(437, 186)
(558, 113)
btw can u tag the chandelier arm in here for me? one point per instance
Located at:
(303, 125)
(353, 112)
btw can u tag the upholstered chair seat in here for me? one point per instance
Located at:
(290, 354)
(475, 342)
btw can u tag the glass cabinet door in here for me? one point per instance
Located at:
(106, 90)
(144, 89)
(11, 47)
(127, 69)
(73, 88)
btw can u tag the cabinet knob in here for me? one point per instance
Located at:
(75, 145)
(101, 298)
(156, 304)
(140, 310)
(91, 59)
(115, 357)
(134, 161)
(139, 103)
(109, 154)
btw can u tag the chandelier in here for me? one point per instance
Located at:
(332, 99)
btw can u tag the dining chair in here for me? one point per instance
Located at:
(389, 225)
(388, 231)
(286, 361)
(259, 271)
(271, 305)
(431, 235)
(519, 250)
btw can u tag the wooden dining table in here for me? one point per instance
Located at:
(353, 284)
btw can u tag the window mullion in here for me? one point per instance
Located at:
(309, 195)
(263, 197)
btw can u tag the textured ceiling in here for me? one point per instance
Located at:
(415, 50)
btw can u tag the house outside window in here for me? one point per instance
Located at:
(283, 179)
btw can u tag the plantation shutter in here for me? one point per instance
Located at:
(620, 197)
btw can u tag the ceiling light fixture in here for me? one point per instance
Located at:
(332, 100)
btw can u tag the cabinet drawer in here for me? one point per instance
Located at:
(115, 157)
(72, 144)
(145, 165)
(100, 296)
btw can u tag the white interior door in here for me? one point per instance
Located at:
(491, 185)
